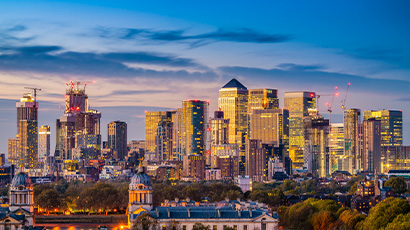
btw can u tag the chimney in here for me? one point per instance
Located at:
(250, 212)
(189, 212)
(169, 213)
(239, 213)
(157, 212)
(219, 213)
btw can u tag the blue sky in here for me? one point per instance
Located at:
(151, 55)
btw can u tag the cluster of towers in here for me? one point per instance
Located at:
(251, 135)
(77, 134)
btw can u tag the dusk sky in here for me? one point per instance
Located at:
(151, 55)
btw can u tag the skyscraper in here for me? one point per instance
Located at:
(152, 119)
(195, 118)
(117, 138)
(78, 119)
(316, 149)
(163, 141)
(371, 145)
(391, 125)
(299, 104)
(219, 129)
(27, 131)
(43, 143)
(13, 150)
(233, 101)
(256, 160)
(177, 131)
(271, 126)
(263, 99)
(336, 148)
(352, 129)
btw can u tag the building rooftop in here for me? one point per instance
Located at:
(206, 213)
(234, 84)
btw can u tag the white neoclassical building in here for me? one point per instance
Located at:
(140, 193)
(20, 213)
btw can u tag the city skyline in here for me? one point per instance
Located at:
(153, 59)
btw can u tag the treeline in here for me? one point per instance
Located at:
(79, 197)
(313, 214)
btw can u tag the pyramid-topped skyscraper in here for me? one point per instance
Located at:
(233, 101)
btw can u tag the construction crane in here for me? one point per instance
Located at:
(34, 91)
(344, 99)
(330, 104)
(76, 84)
(317, 101)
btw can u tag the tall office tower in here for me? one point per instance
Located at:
(177, 131)
(195, 118)
(263, 99)
(271, 126)
(256, 160)
(27, 131)
(13, 150)
(152, 119)
(233, 101)
(316, 149)
(298, 104)
(163, 141)
(78, 119)
(372, 145)
(117, 138)
(219, 129)
(217, 133)
(352, 135)
(392, 126)
(336, 148)
(43, 143)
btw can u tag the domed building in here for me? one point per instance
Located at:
(140, 194)
(20, 212)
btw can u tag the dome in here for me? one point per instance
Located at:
(141, 178)
(21, 179)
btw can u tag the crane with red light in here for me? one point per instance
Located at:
(317, 100)
(330, 104)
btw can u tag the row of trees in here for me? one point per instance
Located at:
(82, 197)
(313, 214)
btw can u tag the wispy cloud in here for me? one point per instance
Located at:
(53, 59)
(195, 40)
(316, 77)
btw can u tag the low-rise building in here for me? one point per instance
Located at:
(216, 217)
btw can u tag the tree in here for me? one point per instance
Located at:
(49, 200)
(385, 212)
(145, 221)
(401, 222)
(323, 220)
(199, 226)
(173, 225)
(398, 184)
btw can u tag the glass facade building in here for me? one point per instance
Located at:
(195, 118)
(299, 105)
(27, 131)
(391, 125)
